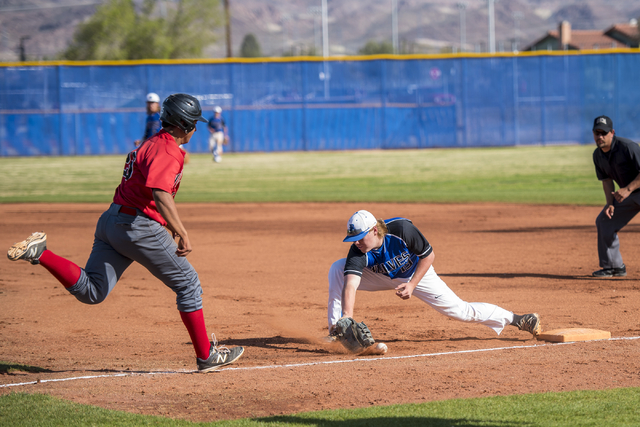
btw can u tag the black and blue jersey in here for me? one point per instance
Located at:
(402, 247)
(217, 124)
(152, 126)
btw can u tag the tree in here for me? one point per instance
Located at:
(300, 50)
(250, 47)
(118, 31)
(103, 35)
(193, 27)
(375, 48)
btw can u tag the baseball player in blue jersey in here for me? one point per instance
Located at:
(152, 123)
(218, 137)
(393, 254)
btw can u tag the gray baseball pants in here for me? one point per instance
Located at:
(608, 242)
(120, 239)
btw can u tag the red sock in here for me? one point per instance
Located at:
(194, 321)
(64, 270)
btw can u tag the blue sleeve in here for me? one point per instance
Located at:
(152, 127)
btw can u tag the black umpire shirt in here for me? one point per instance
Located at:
(622, 162)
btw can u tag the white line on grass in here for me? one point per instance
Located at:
(298, 365)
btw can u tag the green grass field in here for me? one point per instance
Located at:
(616, 407)
(555, 175)
(545, 175)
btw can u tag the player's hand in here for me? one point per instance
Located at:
(621, 194)
(184, 246)
(608, 211)
(405, 290)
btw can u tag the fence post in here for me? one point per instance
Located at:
(232, 121)
(516, 128)
(60, 115)
(465, 101)
(383, 103)
(305, 88)
(543, 74)
(616, 65)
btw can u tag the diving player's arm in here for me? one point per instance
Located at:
(351, 283)
(417, 244)
(405, 290)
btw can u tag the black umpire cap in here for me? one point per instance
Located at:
(603, 123)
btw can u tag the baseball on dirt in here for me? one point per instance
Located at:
(381, 348)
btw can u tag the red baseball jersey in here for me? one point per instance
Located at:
(157, 163)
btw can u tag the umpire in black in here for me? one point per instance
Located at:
(616, 159)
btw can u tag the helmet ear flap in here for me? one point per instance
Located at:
(187, 127)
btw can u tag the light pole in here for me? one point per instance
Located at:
(316, 12)
(285, 18)
(492, 29)
(463, 25)
(227, 18)
(325, 47)
(22, 48)
(325, 30)
(517, 16)
(394, 25)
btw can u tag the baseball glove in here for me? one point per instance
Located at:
(355, 337)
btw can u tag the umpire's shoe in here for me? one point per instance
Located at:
(219, 357)
(530, 323)
(611, 272)
(29, 249)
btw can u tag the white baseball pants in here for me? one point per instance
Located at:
(216, 142)
(431, 290)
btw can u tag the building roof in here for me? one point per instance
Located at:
(629, 30)
(589, 39)
(616, 36)
(624, 33)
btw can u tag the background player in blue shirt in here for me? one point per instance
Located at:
(152, 124)
(218, 136)
(393, 254)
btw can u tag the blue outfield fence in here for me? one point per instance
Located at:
(295, 104)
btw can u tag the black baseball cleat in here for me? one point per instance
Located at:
(219, 357)
(29, 249)
(530, 323)
(611, 272)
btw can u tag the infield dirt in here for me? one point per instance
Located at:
(263, 269)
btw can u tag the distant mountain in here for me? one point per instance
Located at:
(294, 26)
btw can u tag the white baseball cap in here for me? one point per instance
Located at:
(153, 97)
(217, 109)
(359, 225)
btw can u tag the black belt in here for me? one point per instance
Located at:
(127, 210)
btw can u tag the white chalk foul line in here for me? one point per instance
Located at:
(327, 362)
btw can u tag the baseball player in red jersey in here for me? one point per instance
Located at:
(132, 229)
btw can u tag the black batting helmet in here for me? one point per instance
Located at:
(181, 110)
